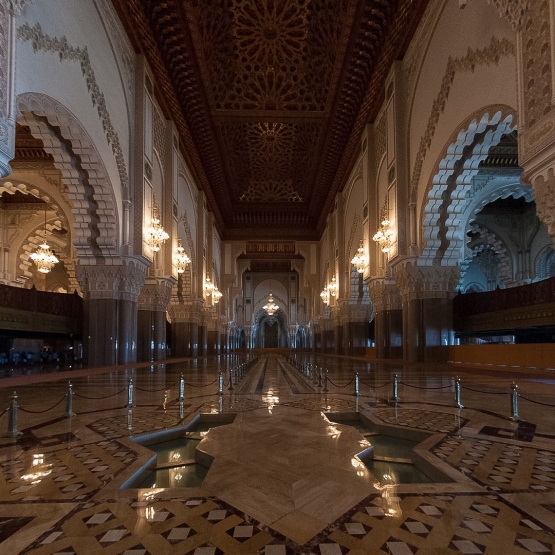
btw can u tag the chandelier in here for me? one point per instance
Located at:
(325, 295)
(155, 234)
(384, 235)
(216, 295)
(332, 287)
(359, 260)
(43, 257)
(181, 259)
(208, 287)
(271, 307)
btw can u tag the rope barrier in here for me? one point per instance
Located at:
(201, 386)
(341, 386)
(418, 387)
(484, 392)
(41, 411)
(156, 390)
(521, 396)
(377, 386)
(97, 398)
(3, 412)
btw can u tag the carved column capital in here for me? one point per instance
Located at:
(425, 282)
(190, 312)
(122, 280)
(384, 294)
(155, 294)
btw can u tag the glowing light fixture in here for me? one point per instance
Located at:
(181, 259)
(208, 287)
(216, 295)
(271, 307)
(359, 260)
(333, 287)
(384, 235)
(43, 257)
(325, 295)
(155, 234)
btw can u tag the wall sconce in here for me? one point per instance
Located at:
(359, 260)
(271, 307)
(181, 259)
(43, 257)
(333, 287)
(384, 235)
(325, 295)
(155, 234)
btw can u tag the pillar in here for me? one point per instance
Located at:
(153, 302)
(110, 296)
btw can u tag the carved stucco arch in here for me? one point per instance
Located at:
(446, 196)
(90, 192)
(488, 238)
(38, 235)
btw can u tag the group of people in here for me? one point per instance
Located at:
(45, 356)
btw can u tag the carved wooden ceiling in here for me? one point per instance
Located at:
(270, 97)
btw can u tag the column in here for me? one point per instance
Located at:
(153, 302)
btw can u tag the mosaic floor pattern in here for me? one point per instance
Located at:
(60, 482)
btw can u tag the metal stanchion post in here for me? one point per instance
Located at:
(69, 402)
(458, 403)
(130, 392)
(356, 393)
(220, 384)
(230, 387)
(181, 396)
(12, 417)
(514, 403)
(325, 390)
(314, 374)
(396, 397)
(320, 376)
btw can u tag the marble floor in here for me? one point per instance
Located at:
(289, 471)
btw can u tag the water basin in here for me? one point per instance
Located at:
(175, 463)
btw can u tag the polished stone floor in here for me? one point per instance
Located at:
(286, 475)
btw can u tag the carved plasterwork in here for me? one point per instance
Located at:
(155, 294)
(514, 10)
(42, 41)
(349, 312)
(82, 171)
(450, 190)
(159, 132)
(186, 312)
(16, 6)
(416, 54)
(121, 45)
(120, 281)
(384, 294)
(490, 55)
(536, 63)
(423, 282)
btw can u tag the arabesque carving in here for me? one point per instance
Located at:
(41, 41)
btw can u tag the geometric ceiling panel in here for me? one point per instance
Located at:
(270, 98)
